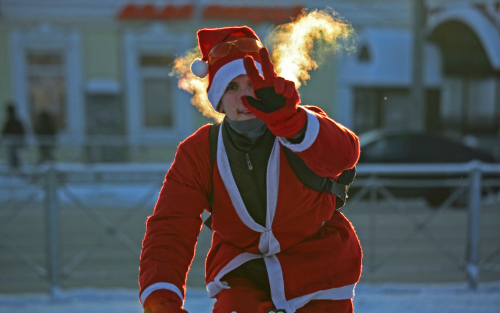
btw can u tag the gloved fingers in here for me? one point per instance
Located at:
(250, 103)
(279, 85)
(290, 89)
(267, 65)
(252, 72)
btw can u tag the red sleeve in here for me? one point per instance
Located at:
(171, 232)
(328, 147)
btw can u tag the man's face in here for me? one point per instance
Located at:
(231, 103)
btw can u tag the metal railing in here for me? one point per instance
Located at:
(375, 183)
(469, 182)
(51, 184)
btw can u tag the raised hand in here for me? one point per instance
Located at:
(278, 99)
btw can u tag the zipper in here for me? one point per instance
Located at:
(250, 167)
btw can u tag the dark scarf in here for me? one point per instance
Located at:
(244, 134)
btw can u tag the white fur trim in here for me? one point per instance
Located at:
(232, 189)
(217, 285)
(268, 244)
(310, 136)
(340, 293)
(224, 76)
(158, 286)
(272, 181)
(199, 68)
(277, 283)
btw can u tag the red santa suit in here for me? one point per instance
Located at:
(311, 250)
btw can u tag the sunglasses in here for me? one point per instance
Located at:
(224, 48)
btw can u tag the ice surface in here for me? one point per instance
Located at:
(385, 298)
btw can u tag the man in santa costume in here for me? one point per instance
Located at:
(277, 245)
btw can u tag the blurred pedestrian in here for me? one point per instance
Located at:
(278, 245)
(45, 128)
(13, 137)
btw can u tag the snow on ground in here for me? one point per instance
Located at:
(384, 298)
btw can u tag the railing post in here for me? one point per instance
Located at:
(373, 223)
(472, 268)
(52, 231)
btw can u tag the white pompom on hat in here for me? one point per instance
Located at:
(199, 68)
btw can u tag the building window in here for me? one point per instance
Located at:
(157, 88)
(47, 85)
(157, 102)
(470, 105)
(367, 110)
(157, 110)
(47, 74)
(387, 108)
(364, 54)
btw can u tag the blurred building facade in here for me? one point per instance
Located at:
(101, 67)
(461, 72)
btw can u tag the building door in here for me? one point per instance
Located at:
(470, 101)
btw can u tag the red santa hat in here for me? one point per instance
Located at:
(221, 71)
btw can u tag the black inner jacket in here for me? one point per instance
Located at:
(251, 183)
(252, 187)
